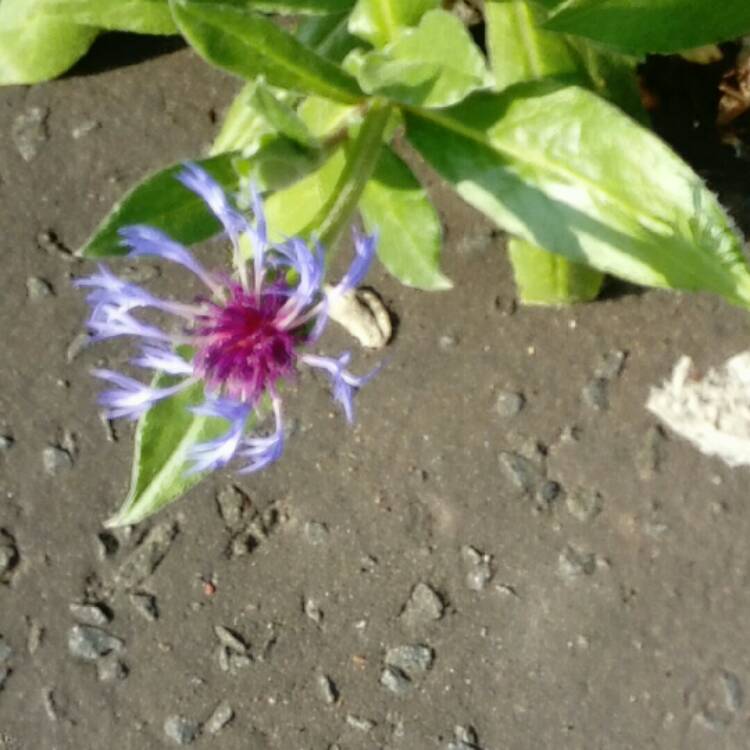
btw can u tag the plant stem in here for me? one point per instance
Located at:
(362, 155)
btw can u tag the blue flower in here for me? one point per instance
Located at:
(246, 335)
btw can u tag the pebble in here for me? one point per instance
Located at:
(147, 556)
(90, 614)
(650, 455)
(238, 662)
(584, 503)
(38, 288)
(231, 503)
(573, 563)
(29, 131)
(221, 716)
(357, 722)
(50, 704)
(474, 243)
(316, 533)
(4, 674)
(447, 342)
(362, 313)
(327, 689)
(145, 604)
(84, 128)
(717, 697)
(547, 493)
(594, 394)
(230, 640)
(232, 662)
(525, 474)
(5, 651)
(313, 611)
(35, 635)
(52, 244)
(69, 443)
(181, 730)
(424, 605)
(243, 543)
(509, 403)
(478, 567)
(111, 668)
(77, 345)
(90, 643)
(9, 555)
(6, 442)
(56, 458)
(611, 365)
(465, 738)
(393, 679)
(412, 659)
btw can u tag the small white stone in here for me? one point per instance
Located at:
(362, 313)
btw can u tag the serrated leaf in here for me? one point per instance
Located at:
(641, 26)
(249, 45)
(382, 21)
(544, 278)
(164, 435)
(565, 170)
(163, 202)
(35, 47)
(434, 65)
(396, 207)
(140, 16)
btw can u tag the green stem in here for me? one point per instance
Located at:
(362, 156)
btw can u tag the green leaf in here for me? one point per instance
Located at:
(361, 157)
(323, 117)
(381, 21)
(289, 211)
(327, 35)
(243, 127)
(282, 118)
(35, 47)
(164, 435)
(277, 163)
(250, 45)
(565, 170)
(396, 207)
(291, 7)
(544, 278)
(522, 51)
(163, 202)
(434, 65)
(640, 26)
(141, 16)
(322, 203)
(612, 76)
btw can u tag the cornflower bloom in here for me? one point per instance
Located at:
(241, 339)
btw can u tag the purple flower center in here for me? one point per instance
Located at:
(242, 351)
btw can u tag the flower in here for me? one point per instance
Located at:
(241, 339)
